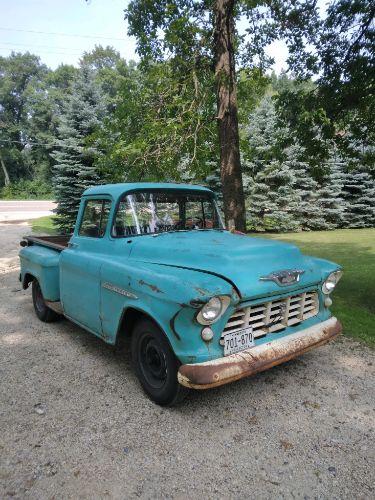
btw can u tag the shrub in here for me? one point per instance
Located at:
(25, 189)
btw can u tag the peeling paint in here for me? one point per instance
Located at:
(154, 288)
(202, 291)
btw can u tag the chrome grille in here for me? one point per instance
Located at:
(273, 316)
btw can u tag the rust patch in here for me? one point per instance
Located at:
(250, 362)
(202, 291)
(196, 303)
(154, 288)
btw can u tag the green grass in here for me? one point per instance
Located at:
(43, 225)
(354, 298)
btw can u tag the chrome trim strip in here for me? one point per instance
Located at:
(119, 290)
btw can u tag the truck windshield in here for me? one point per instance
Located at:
(154, 212)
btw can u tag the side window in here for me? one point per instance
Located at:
(95, 218)
(124, 224)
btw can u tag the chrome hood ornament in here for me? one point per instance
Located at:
(284, 277)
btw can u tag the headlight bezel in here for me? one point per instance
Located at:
(224, 303)
(329, 284)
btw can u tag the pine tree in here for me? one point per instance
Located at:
(76, 152)
(359, 195)
(269, 180)
(271, 198)
(306, 210)
(330, 194)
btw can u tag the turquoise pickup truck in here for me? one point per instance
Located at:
(201, 306)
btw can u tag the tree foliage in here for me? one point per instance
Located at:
(31, 97)
(199, 107)
(339, 49)
(76, 150)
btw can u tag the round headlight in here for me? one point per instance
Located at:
(331, 282)
(212, 311)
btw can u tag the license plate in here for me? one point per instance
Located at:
(238, 341)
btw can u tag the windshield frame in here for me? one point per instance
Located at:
(210, 197)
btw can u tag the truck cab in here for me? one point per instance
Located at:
(201, 306)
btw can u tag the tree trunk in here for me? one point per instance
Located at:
(6, 175)
(227, 117)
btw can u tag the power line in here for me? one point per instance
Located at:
(37, 46)
(77, 54)
(103, 37)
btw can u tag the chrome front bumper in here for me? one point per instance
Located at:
(259, 358)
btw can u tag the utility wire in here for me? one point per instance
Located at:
(77, 54)
(37, 46)
(103, 37)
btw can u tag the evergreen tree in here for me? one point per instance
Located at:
(305, 209)
(359, 194)
(330, 194)
(271, 199)
(76, 150)
(268, 180)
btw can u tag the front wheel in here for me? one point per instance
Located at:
(155, 364)
(43, 312)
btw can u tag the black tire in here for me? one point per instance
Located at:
(155, 364)
(43, 312)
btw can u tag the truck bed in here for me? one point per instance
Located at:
(56, 242)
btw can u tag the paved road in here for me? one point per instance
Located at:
(18, 210)
(75, 424)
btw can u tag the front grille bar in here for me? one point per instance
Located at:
(274, 315)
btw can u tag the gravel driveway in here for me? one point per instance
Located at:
(75, 423)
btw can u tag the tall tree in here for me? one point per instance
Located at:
(109, 69)
(76, 149)
(305, 210)
(160, 123)
(227, 113)
(359, 194)
(200, 42)
(331, 201)
(44, 103)
(17, 73)
(271, 199)
(339, 48)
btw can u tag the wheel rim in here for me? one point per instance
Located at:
(39, 301)
(153, 362)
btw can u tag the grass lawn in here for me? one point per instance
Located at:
(354, 298)
(43, 225)
(353, 249)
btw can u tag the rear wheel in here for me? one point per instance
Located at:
(156, 365)
(43, 312)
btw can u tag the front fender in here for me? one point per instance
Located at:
(168, 295)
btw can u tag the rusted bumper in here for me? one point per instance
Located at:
(259, 358)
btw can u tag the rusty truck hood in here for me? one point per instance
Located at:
(239, 259)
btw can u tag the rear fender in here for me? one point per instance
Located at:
(42, 264)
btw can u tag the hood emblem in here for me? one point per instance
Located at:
(284, 278)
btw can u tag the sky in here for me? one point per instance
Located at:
(59, 31)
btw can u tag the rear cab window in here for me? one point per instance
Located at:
(95, 218)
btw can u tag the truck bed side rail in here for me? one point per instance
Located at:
(58, 242)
